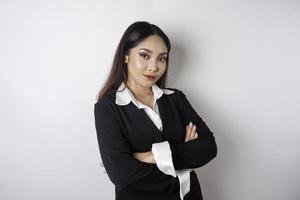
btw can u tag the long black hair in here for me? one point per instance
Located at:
(133, 35)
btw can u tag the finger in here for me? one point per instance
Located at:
(189, 132)
(196, 135)
(186, 134)
(193, 132)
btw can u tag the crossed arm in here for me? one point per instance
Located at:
(125, 168)
(148, 157)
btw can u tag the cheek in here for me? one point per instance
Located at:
(162, 69)
(135, 68)
(141, 62)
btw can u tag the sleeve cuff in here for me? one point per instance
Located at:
(163, 157)
(184, 179)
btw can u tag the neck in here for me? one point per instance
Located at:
(139, 91)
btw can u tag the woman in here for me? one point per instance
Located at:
(150, 137)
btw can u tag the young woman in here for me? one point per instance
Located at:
(150, 137)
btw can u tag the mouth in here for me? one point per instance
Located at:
(150, 77)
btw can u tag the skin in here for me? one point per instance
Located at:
(148, 58)
(140, 62)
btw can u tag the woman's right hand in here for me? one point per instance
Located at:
(191, 133)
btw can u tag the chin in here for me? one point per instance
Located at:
(148, 83)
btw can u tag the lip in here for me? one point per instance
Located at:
(150, 77)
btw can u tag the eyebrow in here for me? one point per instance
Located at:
(151, 51)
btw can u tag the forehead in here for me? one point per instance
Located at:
(153, 43)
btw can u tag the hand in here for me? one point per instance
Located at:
(191, 133)
(103, 169)
(146, 157)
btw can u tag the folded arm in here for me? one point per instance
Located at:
(122, 168)
(194, 153)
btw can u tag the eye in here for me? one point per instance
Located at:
(163, 59)
(145, 56)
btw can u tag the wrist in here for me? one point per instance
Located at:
(151, 157)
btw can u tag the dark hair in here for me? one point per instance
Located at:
(133, 35)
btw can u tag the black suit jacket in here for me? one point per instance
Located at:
(122, 130)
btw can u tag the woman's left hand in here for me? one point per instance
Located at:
(146, 157)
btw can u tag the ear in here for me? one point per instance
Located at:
(126, 59)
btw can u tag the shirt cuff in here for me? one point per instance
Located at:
(163, 157)
(184, 179)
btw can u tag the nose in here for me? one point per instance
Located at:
(152, 66)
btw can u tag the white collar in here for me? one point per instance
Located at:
(125, 97)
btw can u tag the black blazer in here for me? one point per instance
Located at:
(122, 130)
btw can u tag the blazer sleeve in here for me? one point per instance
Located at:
(122, 168)
(194, 153)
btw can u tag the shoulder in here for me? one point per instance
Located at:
(179, 96)
(106, 103)
(178, 93)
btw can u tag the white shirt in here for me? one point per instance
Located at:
(161, 151)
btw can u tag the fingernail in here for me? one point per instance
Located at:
(190, 124)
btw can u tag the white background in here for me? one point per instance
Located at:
(237, 62)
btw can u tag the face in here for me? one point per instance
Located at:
(148, 58)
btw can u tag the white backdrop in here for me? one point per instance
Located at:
(237, 61)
